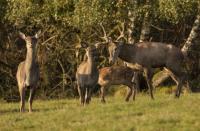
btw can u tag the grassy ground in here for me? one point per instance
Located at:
(165, 113)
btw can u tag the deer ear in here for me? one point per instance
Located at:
(22, 35)
(37, 35)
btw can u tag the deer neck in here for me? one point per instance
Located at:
(91, 65)
(30, 58)
(127, 52)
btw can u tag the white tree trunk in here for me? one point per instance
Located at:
(131, 21)
(194, 36)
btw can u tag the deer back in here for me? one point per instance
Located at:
(115, 75)
(146, 54)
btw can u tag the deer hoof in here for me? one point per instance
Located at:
(127, 100)
(103, 101)
(177, 96)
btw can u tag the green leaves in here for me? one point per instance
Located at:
(175, 11)
(66, 19)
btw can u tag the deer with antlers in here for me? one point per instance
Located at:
(147, 56)
(28, 71)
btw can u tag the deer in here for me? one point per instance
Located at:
(150, 55)
(145, 56)
(28, 70)
(116, 75)
(87, 74)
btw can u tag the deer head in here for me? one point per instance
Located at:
(31, 41)
(114, 47)
(91, 51)
(114, 50)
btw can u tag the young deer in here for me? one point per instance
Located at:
(28, 71)
(87, 75)
(116, 75)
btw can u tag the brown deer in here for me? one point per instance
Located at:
(145, 56)
(149, 55)
(87, 75)
(116, 75)
(28, 71)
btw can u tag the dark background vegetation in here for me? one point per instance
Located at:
(67, 23)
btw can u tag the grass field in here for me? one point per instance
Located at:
(163, 114)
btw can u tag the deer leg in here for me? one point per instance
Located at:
(79, 91)
(129, 93)
(102, 94)
(81, 94)
(134, 85)
(88, 94)
(31, 96)
(22, 99)
(134, 91)
(135, 80)
(178, 91)
(179, 85)
(148, 76)
(85, 96)
(179, 82)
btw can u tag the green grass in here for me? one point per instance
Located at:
(162, 114)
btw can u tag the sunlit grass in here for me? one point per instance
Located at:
(163, 113)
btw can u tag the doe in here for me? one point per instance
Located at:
(28, 71)
(87, 74)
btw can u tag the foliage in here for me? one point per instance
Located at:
(67, 23)
(176, 11)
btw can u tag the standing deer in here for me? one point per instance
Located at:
(145, 56)
(28, 71)
(149, 55)
(116, 75)
(87, 75)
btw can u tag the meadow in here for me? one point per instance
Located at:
(162, 114)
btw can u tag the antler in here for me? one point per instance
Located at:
(105, 37)
(120, 28)
(121, 31)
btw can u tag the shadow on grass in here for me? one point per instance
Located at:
(9, 111)
(45, 109)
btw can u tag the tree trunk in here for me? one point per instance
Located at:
(131, 21)
(193, 38)
(145, 31)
